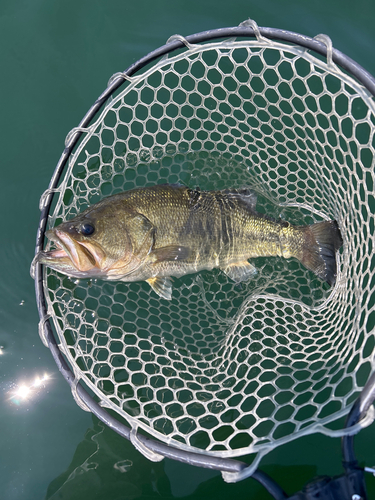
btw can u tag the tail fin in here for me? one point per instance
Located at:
(319, 249)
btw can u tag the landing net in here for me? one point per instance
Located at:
(224, 370)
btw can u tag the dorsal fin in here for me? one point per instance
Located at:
(246, 195)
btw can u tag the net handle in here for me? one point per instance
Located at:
(359, 410)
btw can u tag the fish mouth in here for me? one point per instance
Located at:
(71, 256)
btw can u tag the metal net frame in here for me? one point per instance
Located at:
(223, 371)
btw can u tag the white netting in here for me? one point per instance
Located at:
(222, 368)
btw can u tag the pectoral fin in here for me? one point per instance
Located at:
(240, 271)
(161, 286)
(170, 253)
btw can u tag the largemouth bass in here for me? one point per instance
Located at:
(165, 231)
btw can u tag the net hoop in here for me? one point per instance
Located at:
(246, 35)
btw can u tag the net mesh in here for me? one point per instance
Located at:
(223, 368)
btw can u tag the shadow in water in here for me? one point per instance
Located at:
(107, 467)
(104, 467)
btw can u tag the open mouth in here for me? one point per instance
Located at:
(81, 257)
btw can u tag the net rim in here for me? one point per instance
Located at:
(354, 69)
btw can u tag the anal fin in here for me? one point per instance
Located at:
(161, 286)
(240, 271)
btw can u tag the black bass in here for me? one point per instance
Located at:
(157, 232)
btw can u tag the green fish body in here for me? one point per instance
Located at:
(165, 231)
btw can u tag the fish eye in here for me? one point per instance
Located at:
(87, 229)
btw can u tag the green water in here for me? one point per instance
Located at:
(56, 58)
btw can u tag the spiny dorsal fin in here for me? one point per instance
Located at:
(246, 195)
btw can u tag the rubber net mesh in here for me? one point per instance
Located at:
(222, 368)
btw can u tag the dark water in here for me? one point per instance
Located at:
(56, 58)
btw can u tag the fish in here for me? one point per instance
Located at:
(161, 232)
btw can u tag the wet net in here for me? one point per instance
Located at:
(222, 369)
